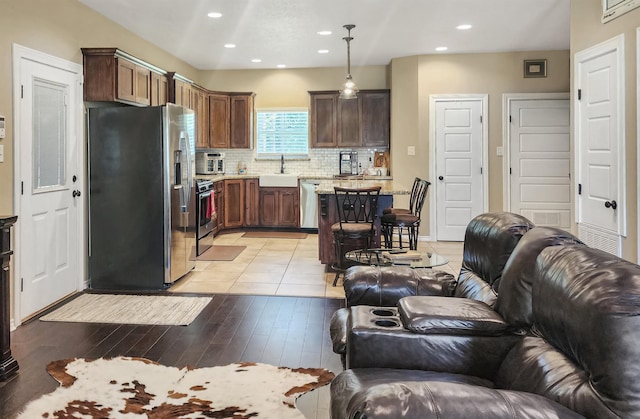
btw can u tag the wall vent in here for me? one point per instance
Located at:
(599, 238)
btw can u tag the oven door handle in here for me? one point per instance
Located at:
(204, 194)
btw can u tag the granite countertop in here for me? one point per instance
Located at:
(216, 178)
(388, 187)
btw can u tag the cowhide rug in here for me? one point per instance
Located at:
(136, 387)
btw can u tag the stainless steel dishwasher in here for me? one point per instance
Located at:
(308, 203)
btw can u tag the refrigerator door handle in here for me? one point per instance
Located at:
(187, 142)
(177, 158)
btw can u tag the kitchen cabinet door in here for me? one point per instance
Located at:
(199, 102)
(289, 207)
(219, 107)
(234, 203)
(158, 89)
(182, 94)
(374, 118)
(126, 80)
(268, 207)
(251, 200)
(143, 86)
(219, 188)
(323, 120)
(241, 130)
(349, 123)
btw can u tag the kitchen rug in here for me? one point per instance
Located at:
(274, 235)
(218, 253)
(138, 387)
(129, 309)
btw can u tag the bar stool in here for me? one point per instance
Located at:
(357, 209)
(402, 220)
(412, 200)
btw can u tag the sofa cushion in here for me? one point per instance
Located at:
(586, 314)
(488, 242)
(384, 286)
(450, 316)
(514, 293)
(392, 394)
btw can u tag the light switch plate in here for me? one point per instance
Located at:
(411, 150)
(499, 151)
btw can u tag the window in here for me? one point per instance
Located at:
(283, 131)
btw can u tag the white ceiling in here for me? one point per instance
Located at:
(285, 31)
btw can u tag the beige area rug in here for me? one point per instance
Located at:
(274, 235)
(218, 253)
(130, 309)
(137, 387)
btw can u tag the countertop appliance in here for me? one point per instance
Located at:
(209, 163)
(348, 162)
(309, 203)
(141, 166)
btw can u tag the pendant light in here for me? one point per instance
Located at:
(349, 89)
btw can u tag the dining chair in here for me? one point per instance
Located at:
(357, 209)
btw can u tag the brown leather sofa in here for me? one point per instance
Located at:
(574, 315)
(489, 241)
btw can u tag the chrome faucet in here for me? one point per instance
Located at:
(282, 163)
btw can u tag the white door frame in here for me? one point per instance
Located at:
(638, 138)
(507, 100)
(433, 99)
(23, 53)
(614, 44)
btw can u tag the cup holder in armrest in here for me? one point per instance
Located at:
(383, 312)
(386, 323)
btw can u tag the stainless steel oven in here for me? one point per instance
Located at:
(206, 214)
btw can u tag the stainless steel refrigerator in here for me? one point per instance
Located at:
(141, 167)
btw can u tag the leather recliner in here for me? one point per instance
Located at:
(578, 357)
(489, 240)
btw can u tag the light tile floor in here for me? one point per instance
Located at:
(282, 267)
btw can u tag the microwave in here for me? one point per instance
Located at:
(209, 163)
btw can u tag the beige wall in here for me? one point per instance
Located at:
(60, 28)
(587, 30)
(414, 79)
(289, 87)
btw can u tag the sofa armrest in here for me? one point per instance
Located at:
(393, 394)
(385, 286)
(450, 316)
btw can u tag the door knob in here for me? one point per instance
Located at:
(612, 204)
(440, 177)
(76, 193)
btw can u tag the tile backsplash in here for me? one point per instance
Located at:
(321, 161)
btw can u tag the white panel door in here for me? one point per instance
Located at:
(49, 240)
(459, 151)
(540, 161)
(598, 142)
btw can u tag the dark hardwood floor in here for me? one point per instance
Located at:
(287, 331)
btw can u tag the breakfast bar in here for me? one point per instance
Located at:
(327, 210)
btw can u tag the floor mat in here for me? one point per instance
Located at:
(274, 235)
(129, 309)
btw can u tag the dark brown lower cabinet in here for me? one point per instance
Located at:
(280, 207)
(218, 187)
(233, 203)
(251, 202)
(8, 365)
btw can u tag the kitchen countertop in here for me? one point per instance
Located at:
(388, 187)
(216, 178)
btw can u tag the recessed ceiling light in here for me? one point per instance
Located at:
(323, 51)
(282, 66)
(214, 14)
(229, 45)
(256, 60)
(441, 48)
(324, 33)
(463, 27)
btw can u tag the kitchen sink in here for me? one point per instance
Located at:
(279, 180)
